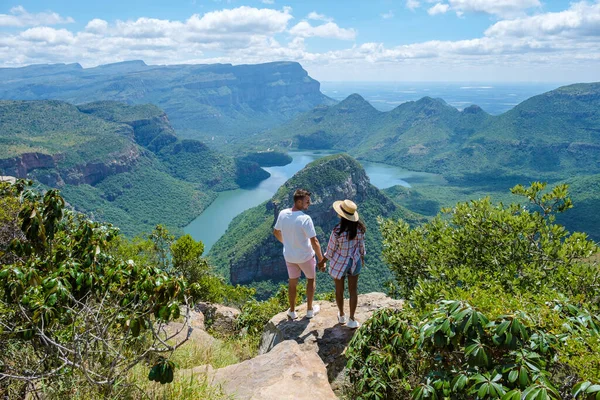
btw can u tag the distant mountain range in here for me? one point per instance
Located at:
(550, 136)
(213, 102)
(121, 163)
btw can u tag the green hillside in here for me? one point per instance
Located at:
(551, 136)
(54, 127)
(120, 163)
(583, 190)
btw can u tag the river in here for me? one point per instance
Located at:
(213, 222)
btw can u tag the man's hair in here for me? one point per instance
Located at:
(300, 194)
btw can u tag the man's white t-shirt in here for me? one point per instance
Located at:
(297, 229)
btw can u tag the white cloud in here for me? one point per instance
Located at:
(581, 20)
(242, 19)
(19, 17)
(388, 15)
(566, 41)
(502, 8)
(412, 4)
(97, 26)
(327, 30)
(439, 8)
(48, 35)
(319, 17)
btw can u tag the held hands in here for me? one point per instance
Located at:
(322, 265)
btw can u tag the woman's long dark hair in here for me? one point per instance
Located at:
(351, 227)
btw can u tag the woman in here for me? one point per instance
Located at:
(346, 252)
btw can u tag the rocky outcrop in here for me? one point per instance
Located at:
(20, 166)
(47, 168)
(287, 372)
(323, 334)
(329, 179)
(220, 318)
(93, 172)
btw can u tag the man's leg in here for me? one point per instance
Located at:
(309, 268)
(339, 294)
(310, 293)
(292, 283)
(353, 289)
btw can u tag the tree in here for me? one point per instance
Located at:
(71, 307)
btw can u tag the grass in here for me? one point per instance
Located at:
(186, 385)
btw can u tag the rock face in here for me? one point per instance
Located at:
(217, 99)
(323, 334)
(329, 179)
(47, 168)
(287, 372)
(221, 318)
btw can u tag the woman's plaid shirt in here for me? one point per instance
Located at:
(340, 250)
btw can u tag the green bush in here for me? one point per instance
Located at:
(523, 318)
(68, 305)
(457, 352)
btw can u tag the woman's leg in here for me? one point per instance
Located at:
(353, 289)
(339, 294)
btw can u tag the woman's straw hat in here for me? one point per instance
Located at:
(346, 209)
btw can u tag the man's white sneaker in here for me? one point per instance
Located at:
(342, 319)
(292, 314)
(315, 310)
(352, 324)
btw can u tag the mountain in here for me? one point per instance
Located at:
(550, 136)
(248, 252)
(216, 102)
(121, 163)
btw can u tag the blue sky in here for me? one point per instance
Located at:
(386, 40)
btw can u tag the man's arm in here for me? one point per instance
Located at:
(278, 235)
(314, 242)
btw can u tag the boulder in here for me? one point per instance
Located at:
(286, 372)
(220, 318)
(323, 334)
(198, 334)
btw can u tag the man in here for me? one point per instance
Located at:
(300, 244)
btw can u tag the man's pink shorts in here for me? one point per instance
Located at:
(308, 267)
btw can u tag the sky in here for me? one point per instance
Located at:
(350, 40)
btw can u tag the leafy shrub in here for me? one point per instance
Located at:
(69, 306)
(510, 330)
(517, 247)
(456, 352)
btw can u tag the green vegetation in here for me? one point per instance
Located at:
(429, 200)
(118, 163)
(551, 136)
(68, 306)
(82, 308)
(269, 158)
(54, 127)
(501, 303)
(133, 198)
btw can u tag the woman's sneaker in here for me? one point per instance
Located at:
(342, 319)
(352, 324)
(292, 314)
(315, 310)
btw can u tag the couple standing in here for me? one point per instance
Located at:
(345, 251)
